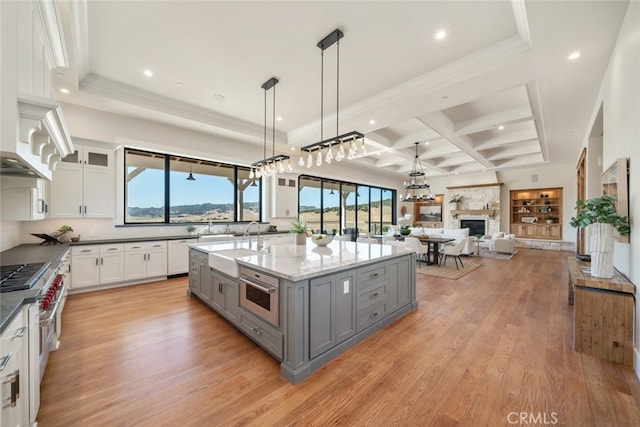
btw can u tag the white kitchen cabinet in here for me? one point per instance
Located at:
(285, 200)
(94, 265)
(23, 198)
(178, 256)
(14, 372)
(83, 184)
(145, 260)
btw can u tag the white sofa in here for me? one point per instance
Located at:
(454, 233)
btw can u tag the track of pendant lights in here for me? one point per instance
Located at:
(277, 163)
(347, 145)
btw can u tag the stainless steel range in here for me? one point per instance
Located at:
(22, 276)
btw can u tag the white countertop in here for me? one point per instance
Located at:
(294, 262)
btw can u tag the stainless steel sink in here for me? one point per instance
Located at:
(225, 260)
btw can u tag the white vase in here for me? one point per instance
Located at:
(301, 238)
(601, 243)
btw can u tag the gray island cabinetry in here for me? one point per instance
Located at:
(311, 304)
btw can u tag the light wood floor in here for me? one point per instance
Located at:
(493, 343)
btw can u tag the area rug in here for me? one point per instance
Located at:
(486, 253)
(448, 271)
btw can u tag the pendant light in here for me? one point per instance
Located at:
(276, 163)
(353, 138)
(417, 181)
(190, 177)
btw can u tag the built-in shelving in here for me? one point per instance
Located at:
(536, 213)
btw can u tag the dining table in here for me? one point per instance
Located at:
(433, 244)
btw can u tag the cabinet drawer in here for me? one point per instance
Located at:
(266, 336)
(371, 275)
(160, 244)
(372, 295)
(85, 250)
(371, 315)
(135, 247)
(105, 249)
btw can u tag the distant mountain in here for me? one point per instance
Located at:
(196, 209)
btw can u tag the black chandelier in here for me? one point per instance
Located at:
(417, 182)
(352, 139)
(276, 163)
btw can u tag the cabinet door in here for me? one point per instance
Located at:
(194, 272)
(85, 269)
(321, 330)
(217, 292)
(15, 373)
(345, 305)
(135, 265)
(178, 256)
(98, 189)
(111, 267)
(232, 300)
(157, 260)
(206, 283)
(555, 231)
(66, 191)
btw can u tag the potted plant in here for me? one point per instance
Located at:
(191, 229)
(300, 230)
(456, 199)
(64, 233)
(601, 219)
(550, 219)
(405, 230)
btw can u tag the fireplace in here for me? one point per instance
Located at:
(476, 226)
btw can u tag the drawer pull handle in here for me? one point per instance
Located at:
(373, 275)
(373, 315)
(373, 295)
(112, 249)
(5, 362)
(257, 331)
(20, 333)
(86, 250)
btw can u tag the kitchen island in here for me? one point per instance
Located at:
(304, 304)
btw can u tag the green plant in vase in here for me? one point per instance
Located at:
(300, 229)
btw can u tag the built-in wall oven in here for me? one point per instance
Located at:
(259, 294)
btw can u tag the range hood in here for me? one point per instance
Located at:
(41, 139)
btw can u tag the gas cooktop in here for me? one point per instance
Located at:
(21, 277)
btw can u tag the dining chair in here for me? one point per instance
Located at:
(387, 239)
(414, 243)
(343, 237)
(454, 251)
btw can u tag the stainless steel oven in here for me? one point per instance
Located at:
(260, 294)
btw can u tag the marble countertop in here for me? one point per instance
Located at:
(284, 259)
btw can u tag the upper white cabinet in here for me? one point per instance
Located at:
(83, 184)
(285, 200)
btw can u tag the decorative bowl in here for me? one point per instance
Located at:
(321, 239)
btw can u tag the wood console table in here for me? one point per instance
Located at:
(603, 313)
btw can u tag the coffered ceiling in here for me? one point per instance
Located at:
(497, 92)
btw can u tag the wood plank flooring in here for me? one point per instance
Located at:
(483, 350)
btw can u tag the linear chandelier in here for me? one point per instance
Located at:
(417, 181)
(352, 139)
(277, 163)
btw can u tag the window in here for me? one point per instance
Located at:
(330, 206)
(172, 189)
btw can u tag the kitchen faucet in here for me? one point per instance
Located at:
(246, 234)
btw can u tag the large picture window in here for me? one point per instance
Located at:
(330, 206)
(161, 188)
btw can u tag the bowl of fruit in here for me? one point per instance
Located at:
(321, 239)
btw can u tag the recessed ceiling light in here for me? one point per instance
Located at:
(219, 97)
(575, 55)
(372, 122)
(148, 73)
(501, 127)
(279, 118)
(293, 148)
(441, 34)
(64, 90)
(426, 143)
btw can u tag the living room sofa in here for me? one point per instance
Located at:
(499, 242)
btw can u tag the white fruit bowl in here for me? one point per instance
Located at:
(321, 239)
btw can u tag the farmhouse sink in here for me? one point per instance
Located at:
(214, 237)
(225, 260)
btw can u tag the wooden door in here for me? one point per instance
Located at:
(581, 195)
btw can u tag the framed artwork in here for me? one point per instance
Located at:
(615, 182)
(430, 213)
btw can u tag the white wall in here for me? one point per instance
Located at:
(620, 99)
(563, 176)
